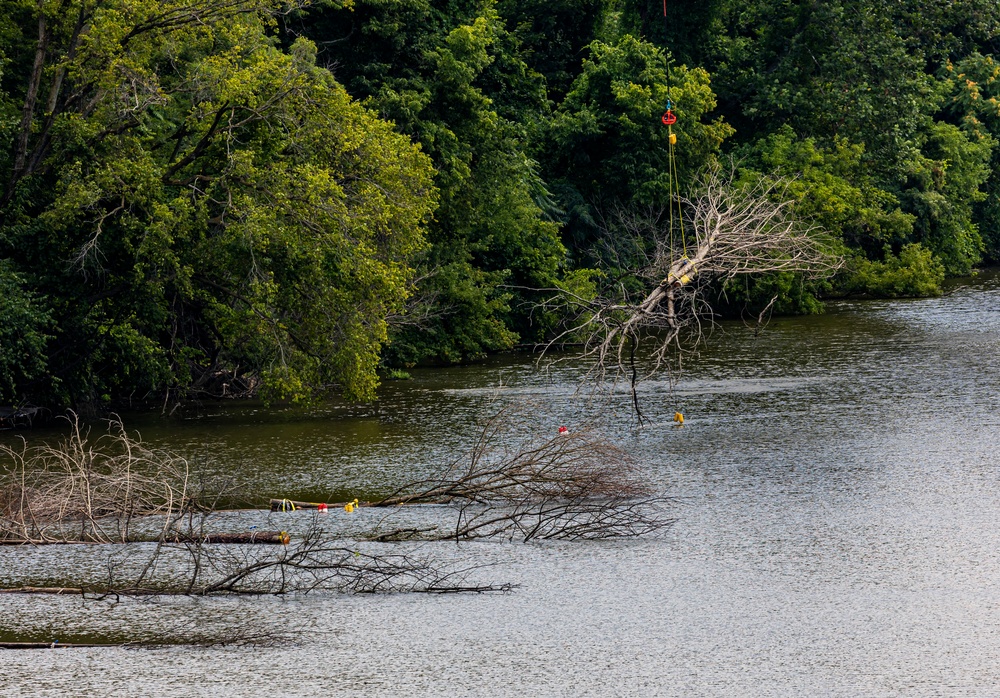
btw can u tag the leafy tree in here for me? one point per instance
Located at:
(184, 198)
(690, 31)
(826, 69)
(915, 272)
(23, 335)
(451, 76)
(973, 89)
(554, 35)
(943, 183)
(863, 76)
(832, 187)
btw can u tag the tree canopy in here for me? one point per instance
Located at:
(278, 197)
(182, 197)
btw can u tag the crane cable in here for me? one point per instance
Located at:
(673, 184)
(674, 193)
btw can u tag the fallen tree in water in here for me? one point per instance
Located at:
(111, 490)
(115, 490)
(569, 487)
(572, 486)
(312, 562)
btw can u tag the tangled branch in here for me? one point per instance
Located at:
(114, 489)
(88, 490)
(569, 487)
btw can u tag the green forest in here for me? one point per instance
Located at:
(255, 197)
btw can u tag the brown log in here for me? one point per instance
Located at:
(255, 537)
(262, 537)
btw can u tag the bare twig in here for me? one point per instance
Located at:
(88, 490)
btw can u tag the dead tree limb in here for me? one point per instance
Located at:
(89, 489)
(570, 487)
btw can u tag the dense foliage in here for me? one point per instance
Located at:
(182, 197)
(281, 195)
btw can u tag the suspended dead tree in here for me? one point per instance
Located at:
(569, 487)
(726, 229)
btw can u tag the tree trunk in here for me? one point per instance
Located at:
(30, 99)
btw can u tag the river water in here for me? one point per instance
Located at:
(836, 491)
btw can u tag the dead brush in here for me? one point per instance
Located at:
(86, 489)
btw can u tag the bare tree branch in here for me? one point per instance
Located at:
(570, 487)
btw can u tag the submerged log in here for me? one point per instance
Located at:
(48, 645)
(42, 590)
(402, 534)
(255, 537)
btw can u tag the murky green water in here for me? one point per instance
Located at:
(838, 497)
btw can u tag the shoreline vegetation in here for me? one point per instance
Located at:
(284, 198)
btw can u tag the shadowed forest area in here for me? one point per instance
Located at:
(278, 199)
